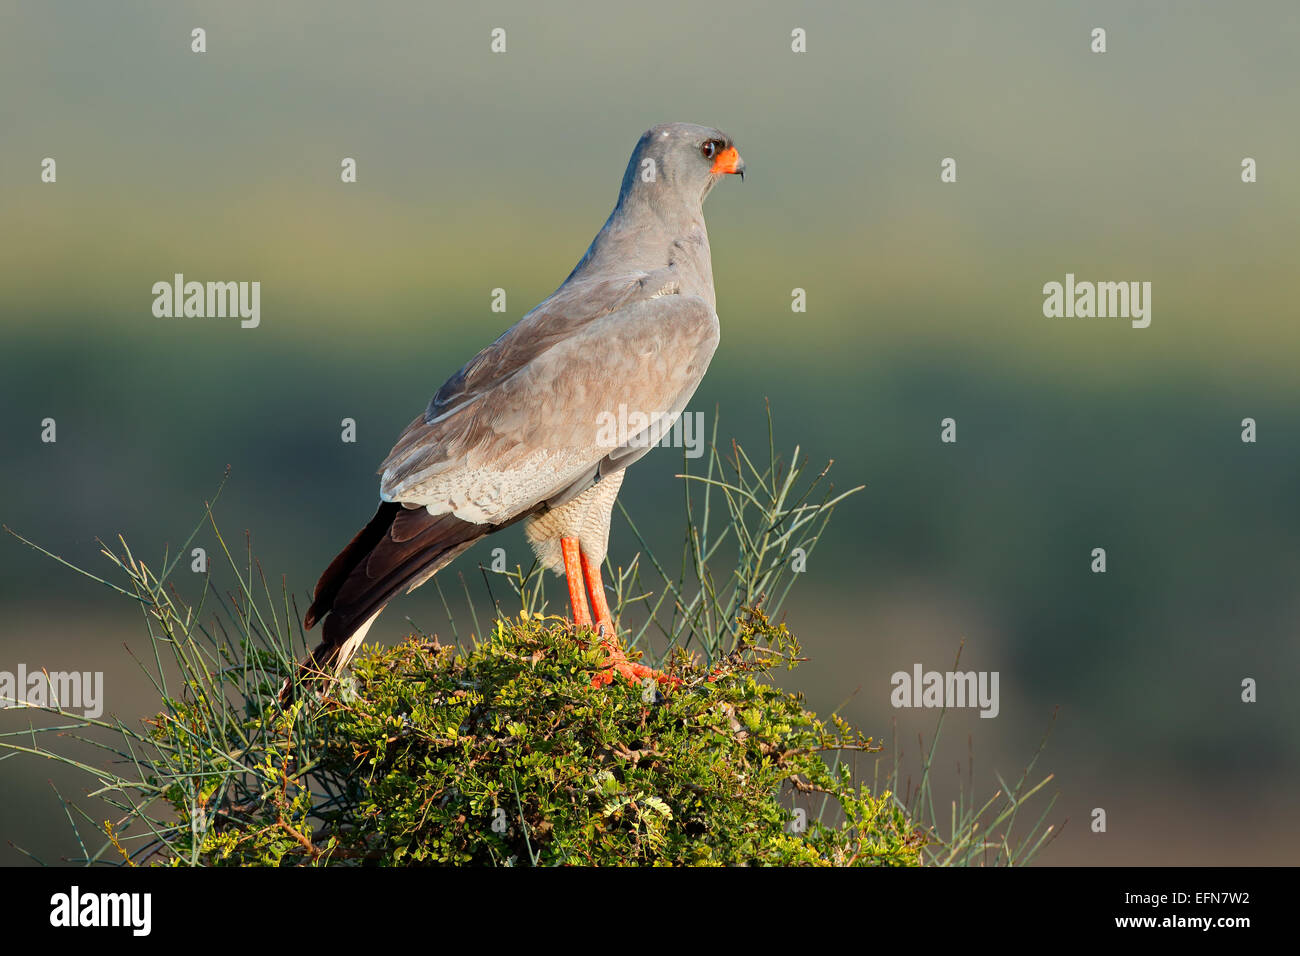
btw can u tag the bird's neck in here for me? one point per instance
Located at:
(648, 239)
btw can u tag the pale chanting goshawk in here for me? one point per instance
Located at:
(516, 434)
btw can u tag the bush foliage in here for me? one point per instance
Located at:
(506, 754)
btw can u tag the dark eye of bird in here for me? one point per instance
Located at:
(709, 149)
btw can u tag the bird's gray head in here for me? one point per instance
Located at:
(658, 220)
(678, 163)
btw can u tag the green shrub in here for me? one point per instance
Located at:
(506, 754)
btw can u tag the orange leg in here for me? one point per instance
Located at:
(617, 662)
(573, 577)
(596, 588)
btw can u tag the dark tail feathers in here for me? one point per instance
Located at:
(400, 547)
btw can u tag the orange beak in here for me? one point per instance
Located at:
(728, 161)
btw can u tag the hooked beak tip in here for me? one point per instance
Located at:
(728, 161)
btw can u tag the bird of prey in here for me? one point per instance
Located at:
(519, 432)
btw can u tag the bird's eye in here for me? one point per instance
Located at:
(709, 149)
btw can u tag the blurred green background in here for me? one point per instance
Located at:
(479, 171)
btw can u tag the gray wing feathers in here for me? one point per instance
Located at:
(522, 423)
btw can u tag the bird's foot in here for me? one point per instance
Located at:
(617, 662)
